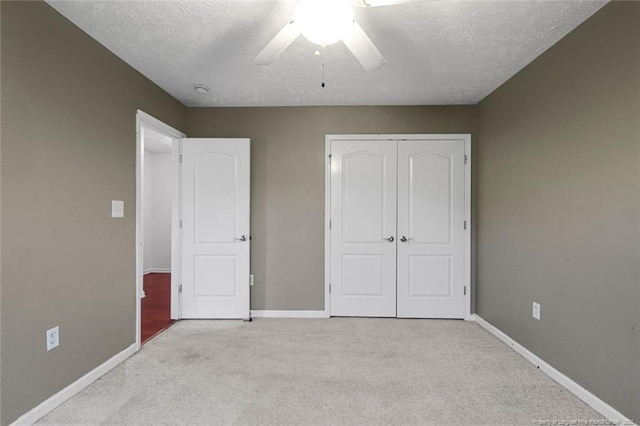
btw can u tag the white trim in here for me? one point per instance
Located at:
(157, 271)
(467, 207)
(145, 120)
(467, 232)
(327, 218)
(289, 314)
(590, 399)
(176, 232)
(151, 121)
(48, 405)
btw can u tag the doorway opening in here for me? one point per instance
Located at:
(157, 235)
(156, 230)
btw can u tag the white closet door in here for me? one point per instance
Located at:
(363, 228)
(431, 219)
(215, 228)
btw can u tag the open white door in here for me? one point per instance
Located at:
(215, 228)
(363, 228)
(431, 229)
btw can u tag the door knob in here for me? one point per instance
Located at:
(405, 239)
(389, 238)
(243, 238)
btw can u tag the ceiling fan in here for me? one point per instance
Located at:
(325, 22)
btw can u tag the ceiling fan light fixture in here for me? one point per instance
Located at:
(324, 22)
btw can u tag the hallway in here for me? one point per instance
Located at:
(156, 305)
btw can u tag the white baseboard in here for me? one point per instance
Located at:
(156, 271)
(48, 405)
(590, 399)
(289, 314)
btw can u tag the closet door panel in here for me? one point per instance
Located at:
(430, 229)
(363, 215)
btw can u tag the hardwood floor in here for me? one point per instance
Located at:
(156, 305)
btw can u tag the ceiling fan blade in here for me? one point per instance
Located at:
(280, 42)
(376, 3)
(363, 49)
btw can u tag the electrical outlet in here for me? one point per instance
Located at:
(250, 279)
(53, 338)
(536, 310)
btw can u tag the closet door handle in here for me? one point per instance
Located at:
(389, 238)
(405, 239)
(243, 238)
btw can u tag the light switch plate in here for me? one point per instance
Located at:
(117, 208)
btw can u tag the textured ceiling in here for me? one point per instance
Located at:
(438, 53)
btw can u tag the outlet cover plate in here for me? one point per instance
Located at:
(53, 338)
(536, 310)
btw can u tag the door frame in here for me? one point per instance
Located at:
(399, 137)
(144, 120)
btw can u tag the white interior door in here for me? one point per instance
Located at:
(431, 235)
(363, 227)
(215, 228)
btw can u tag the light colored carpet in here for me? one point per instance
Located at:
(317, 371)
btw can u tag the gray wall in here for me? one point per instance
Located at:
(287, 183)
(558, 206)
(68, 148)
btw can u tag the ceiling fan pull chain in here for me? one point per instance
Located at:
(323, 73)
(323, 56)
